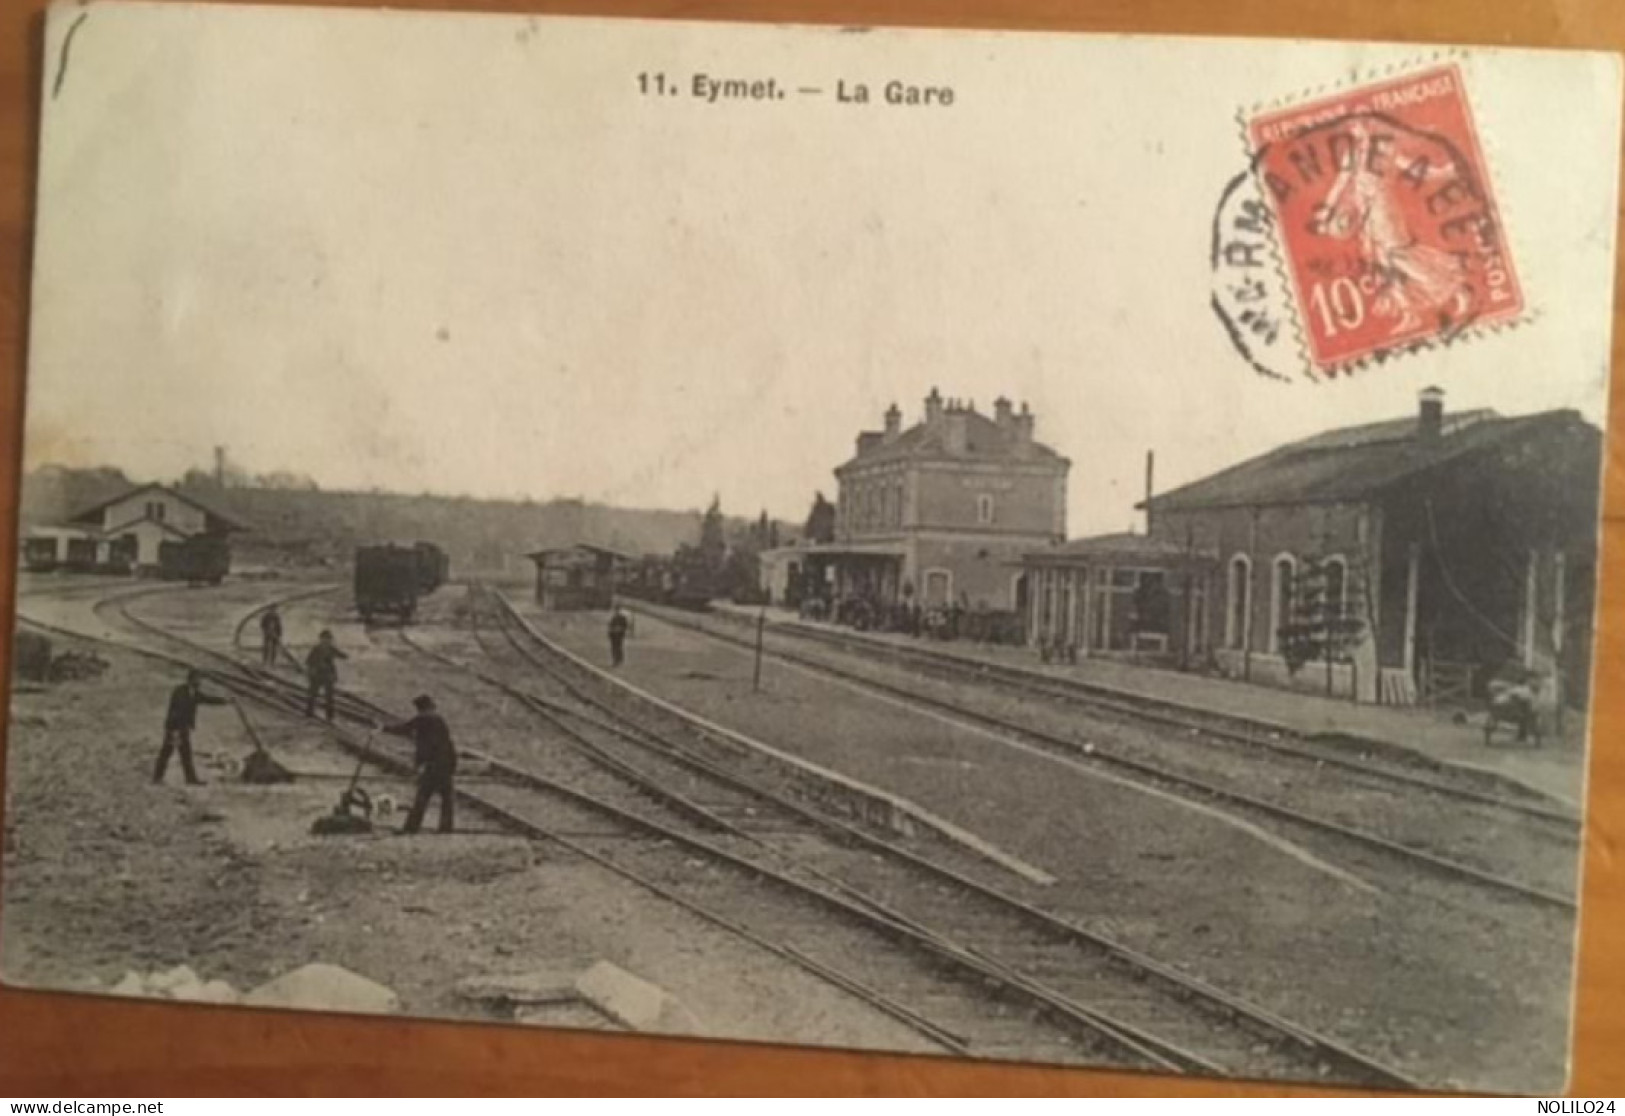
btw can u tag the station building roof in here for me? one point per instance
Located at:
(540, 556)
(218, 520)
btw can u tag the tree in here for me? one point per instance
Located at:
(713, 539)
(1327, 620)
(740, 579)
(285, 481)
(820, 526)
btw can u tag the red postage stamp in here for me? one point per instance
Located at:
(1387, 223)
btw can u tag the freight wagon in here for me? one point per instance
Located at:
(388, 581)
(434, 566)
(199, 560)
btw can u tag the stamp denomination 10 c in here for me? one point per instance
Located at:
(1384, 218)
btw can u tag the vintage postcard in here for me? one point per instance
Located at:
(1035, 547)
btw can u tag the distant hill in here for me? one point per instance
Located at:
(51, 493)
(301, 527)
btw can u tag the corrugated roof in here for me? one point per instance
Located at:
(1352, 462)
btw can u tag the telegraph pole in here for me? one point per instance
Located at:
(761, 625)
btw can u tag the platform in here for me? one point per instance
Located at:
(1556, 769)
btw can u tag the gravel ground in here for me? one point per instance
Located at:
(1456, 997)
(105, 873)
(1452, 997)
(1528, 850)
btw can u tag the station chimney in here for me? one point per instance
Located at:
(933, 407)
(1430, 414)
(1002, 412)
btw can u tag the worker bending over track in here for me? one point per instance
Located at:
(435, 761)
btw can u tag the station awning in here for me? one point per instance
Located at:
(854, 550)
(1119, 550)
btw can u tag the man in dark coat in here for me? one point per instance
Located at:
(322, 673)
(435, 760)
(618, 627)
(179, 722)
(270, 636)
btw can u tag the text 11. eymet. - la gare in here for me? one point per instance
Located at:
(712, 90)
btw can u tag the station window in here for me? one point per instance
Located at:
(1283, 601)
(1237, 614)
(984, 509)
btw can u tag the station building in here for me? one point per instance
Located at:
(1419, 557)
(937, 513)
(126, 531)
(1123, 594)
(581, 576)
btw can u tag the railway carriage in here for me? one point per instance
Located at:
(40, 554)
(679, 580)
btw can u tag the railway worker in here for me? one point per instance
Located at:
(435, 761)
(322, 673)
(619, 625)
(179, 722)
(270, 636)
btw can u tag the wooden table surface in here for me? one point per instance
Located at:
(65, 1046)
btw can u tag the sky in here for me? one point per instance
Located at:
(464, 254)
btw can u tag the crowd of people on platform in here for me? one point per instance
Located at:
(955, 620)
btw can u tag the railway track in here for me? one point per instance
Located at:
(687, 808)
(253, 615)
(563, 804)
(1404, 769)
(1055, 965)
(48, 586)
(972, 969)
(971, 1005)
(884, 962)
(1465, 882)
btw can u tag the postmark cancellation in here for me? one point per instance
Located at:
(1365, 227)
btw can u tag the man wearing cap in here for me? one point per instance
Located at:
(435, 761)
(179, 723)
(322, 673)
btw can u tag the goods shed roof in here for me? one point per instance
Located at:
(1356, 462)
